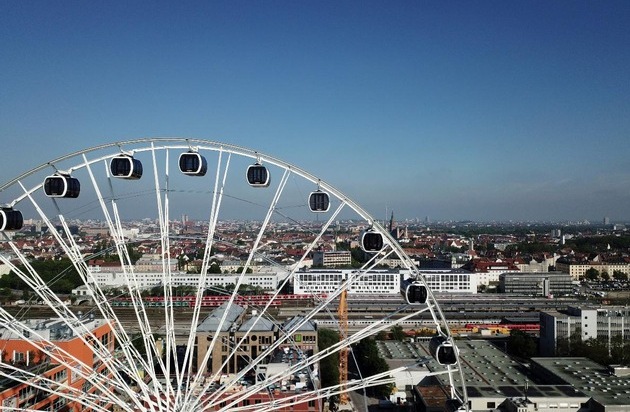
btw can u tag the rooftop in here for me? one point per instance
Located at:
(595, 380)
(212, 321)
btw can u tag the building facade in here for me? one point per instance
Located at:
(588, 322)
(536, 284)
(331, 259)
(28, 355)
(379, 282)
(578, 270)
(450, 280)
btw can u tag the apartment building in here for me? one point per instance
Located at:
(331, 259)
(43, 371)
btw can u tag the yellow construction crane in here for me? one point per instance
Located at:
(342, 313)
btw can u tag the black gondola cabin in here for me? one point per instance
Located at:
(413, 293)
(10, 219)
(60, 185)
(126, 167)
(443, 351)
(257, 175)
(319, 201)
(371, 241)
(193, 164)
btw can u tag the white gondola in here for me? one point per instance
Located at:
(193, 164)
(371, 241)
(319, 201)
(62, 185)
(10, 219)
(257, 175)
(126, 167)
(414, 293)
(443, 350)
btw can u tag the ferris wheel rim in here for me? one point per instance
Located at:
(241, 151)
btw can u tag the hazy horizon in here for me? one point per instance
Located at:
(485, 111)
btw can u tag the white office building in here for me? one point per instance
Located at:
(450, 280)
(326, 281)
(588, 322)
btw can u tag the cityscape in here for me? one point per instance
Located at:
(323, 314)
(315, 206)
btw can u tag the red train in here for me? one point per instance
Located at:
(525, 327)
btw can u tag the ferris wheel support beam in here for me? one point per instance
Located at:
(372, 329)
(217, 198)
(132, 283)
(310, 247)
(167, 278)
(239, 282)
(60, 356)
(377, 327)
(86, 277)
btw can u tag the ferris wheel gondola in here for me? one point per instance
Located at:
(193, 164)
(371, 241)
(443, 350)
(62, 185)
(258, 175)
(414, 293)
(319, 201)
(126, 167)
(10, 219)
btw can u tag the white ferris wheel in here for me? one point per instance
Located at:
(168, 339)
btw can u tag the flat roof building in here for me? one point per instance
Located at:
(608, 392)
(536, 284)
(494, 381)
(582, 323)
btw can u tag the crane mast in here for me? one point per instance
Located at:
(342, 313)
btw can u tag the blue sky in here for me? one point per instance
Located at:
(484, 110)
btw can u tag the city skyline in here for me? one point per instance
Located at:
(485, 111)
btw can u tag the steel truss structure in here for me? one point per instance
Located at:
(171, 380)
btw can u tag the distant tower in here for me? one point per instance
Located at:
(606, 220)
(391, 223)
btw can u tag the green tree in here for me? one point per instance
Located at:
(619, 275)
(591, 274)
(329, 365)
(522, 344)
(369, 362)
(398, 333)
(605, 276)
(60, 275)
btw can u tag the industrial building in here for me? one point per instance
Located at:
(536, 284)
(494, 381)
(586, 322)
(608, 388)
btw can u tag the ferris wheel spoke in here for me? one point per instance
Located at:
(131, 353)
(307, 364)
(61, 356)
(77, 262)
(246, 265)
(167, 278)
(174, 379)
(217, 198)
